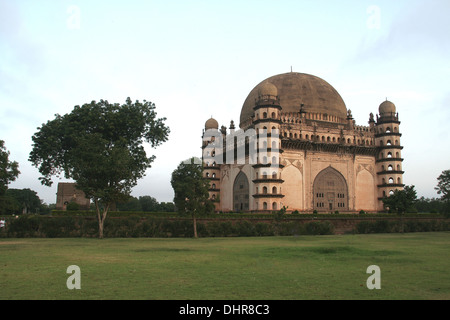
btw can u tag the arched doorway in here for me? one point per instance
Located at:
(330, 191)
(241, 192)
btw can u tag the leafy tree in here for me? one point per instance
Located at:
(100, 146)
(26, 200)
(149, 204)
(132, 204)
(401, 201)
(167, 207)
(429, 205)
(191, 190)
(9, 170)
(443, 188)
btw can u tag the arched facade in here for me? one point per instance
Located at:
(330, 191)
(241, 193)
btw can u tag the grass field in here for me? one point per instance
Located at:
(413, 266)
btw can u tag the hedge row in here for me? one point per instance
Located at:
(59, 227)
(232, 215)
(134, 226)
(385, 226)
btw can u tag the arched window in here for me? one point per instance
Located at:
(390, 168)
(388, 130)
(274, 175)
(207, 174)
(388, 143)
(265, 190)
(274, 206)
(332, 184)
(264, 115)
(389, 155)
(241, 192)
(274, 190)
(264, 205)
(213, 185)
(214, 175)
(391, 180)
(274, 115)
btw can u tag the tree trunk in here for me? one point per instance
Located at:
(101, 218)
(195, 226)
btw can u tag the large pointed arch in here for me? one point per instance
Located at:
(241, 193)
(330, 191)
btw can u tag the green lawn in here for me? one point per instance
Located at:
(413, 266)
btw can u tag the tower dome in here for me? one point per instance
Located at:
(386, 107)
(267, 89)
(211, 123)
(294, 89)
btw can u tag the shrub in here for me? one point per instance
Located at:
(319, 228)
(23, 226)
(245, 228)
(73, 206)
(263, 229)
(291, 228)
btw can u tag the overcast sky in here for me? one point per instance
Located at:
(196, 59)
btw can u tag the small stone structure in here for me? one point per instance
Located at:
(67, 193)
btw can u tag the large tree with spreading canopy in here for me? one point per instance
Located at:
(101, 147)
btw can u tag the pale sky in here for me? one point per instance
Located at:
(196, 59)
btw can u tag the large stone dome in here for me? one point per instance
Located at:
(294, 89)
